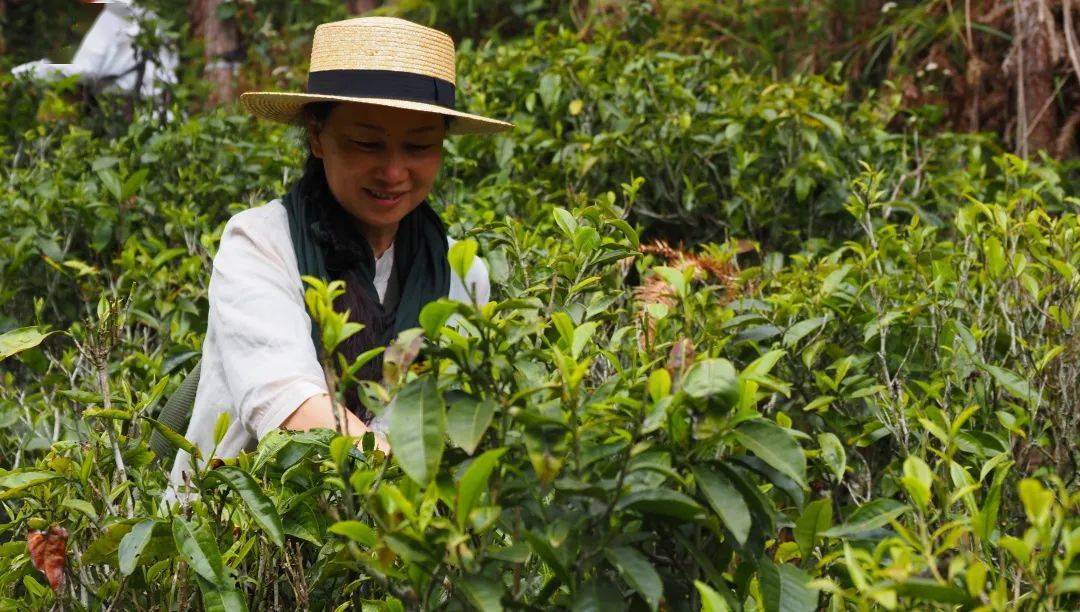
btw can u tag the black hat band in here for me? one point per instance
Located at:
(387, 84)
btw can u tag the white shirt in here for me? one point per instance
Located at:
(384, 264)
(107, 51)
(258, 361)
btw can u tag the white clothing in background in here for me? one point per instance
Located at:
(106, 56)
(258, 361)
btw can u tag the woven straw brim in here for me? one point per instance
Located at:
(285, 108)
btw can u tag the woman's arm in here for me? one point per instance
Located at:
(317, 411)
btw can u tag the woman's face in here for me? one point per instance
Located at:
(380, 162)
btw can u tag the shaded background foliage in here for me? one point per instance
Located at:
(869, 285)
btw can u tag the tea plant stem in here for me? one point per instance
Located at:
(1048, 572)
(116, 598)
(118, 457)
(337, 403)
(619, 481)
(431, 585)
(182, 596)
(56, 422)
(85, 585)
(260, 572)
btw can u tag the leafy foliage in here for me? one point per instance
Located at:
(864, 398)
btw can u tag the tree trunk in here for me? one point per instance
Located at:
(3, 26)
(359, 7)
(1036, 112)
(221, 42)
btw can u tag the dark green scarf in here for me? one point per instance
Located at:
(325, 239)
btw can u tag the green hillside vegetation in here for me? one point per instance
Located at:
(760, 339)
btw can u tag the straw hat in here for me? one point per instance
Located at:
(377, 60)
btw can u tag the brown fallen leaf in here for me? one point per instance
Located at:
(48, 553)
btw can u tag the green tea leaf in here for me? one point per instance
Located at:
(918, 480)
(930, 590)
(219, 599)
(435, 314)
(174, 438)
(111, 183)
(815, 519)
(832, 452)
(831, 124)
(116, 414)
(483, 593)
(801, 329)
(659, 384)
(1037, 500)
(197, 546)
(786, 588)
(133, 544)
(582, 334)
(260, 507)
(761, 366)
(726, 501)
(774, 445)
(1018, 548)
(356, 531)
(14, 484)
(21, 339)
(870, 515)
(417, 426)
(103, 549)
(635, 568)
(467, 420)
(461, 257)
(664, 502)
(566, 221)
(81, 505)
(712, 377)
(833, 280)
(711, 601)
(1013, 383)
(133, 182)
(474, 482)
(221, 427)
(986, 520)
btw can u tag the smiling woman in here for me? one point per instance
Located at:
(380, 163)
(379, 102)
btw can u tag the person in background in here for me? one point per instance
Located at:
(107, 58)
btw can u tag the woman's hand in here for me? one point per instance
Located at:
(317, 412)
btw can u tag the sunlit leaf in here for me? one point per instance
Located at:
(21, 339)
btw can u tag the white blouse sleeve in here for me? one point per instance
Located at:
(258, 315)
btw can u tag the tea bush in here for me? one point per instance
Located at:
(857, 392)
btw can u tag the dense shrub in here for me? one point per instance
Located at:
(726, 153)
(869, 403)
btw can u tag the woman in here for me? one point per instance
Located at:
(379, 100)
